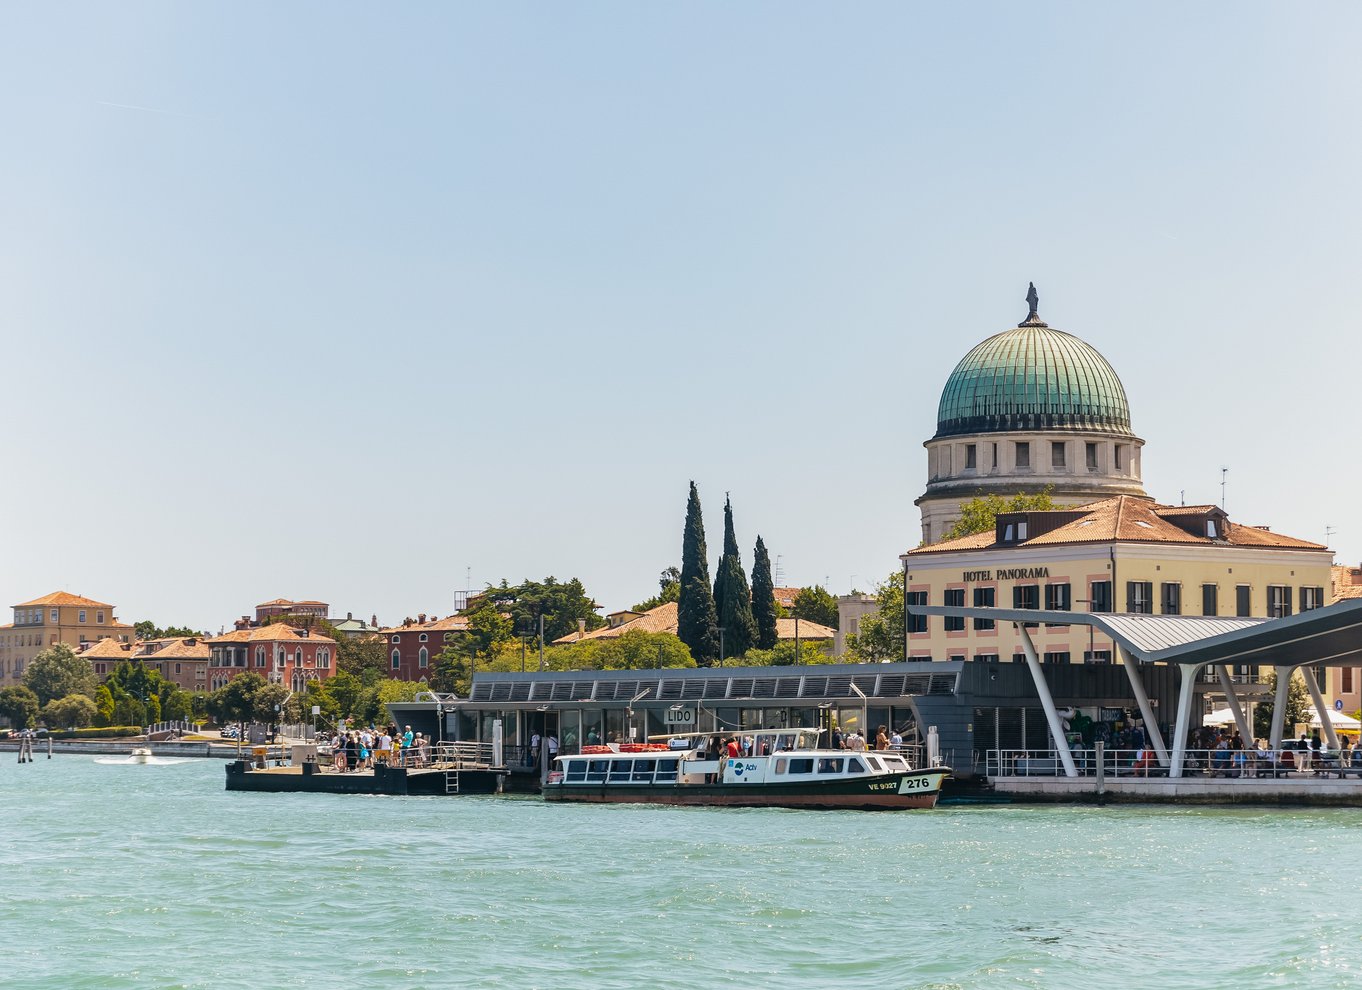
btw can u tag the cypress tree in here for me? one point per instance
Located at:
(696, 619)
(732, 599)
(763, 599)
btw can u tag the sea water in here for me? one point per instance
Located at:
(155, 876)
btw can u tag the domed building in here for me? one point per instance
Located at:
(1028, 409)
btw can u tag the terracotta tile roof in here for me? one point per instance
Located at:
(1347, 592)
(269, 634)
(64, 598)
(179, 649)
(450, 623)
(785, 629)
(660, 619)
(287, 601)
(107, 649)
(1128, 519)
(785, 597)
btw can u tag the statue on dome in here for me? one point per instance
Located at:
(1032, 300)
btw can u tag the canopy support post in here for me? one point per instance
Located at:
(1185, 691)
(1279, 705)
(1047, 702)
(1325, 722)
(1232, 699)
(1151, 725)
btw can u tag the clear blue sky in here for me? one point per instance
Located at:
(336, 300)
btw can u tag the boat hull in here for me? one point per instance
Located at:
(918, 789)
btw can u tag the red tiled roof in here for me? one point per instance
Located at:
(275, 632)
(107, 649)
(287, 601)
(450, 623)
(1128, 519)
(660, 619)
(785, 629)
(64, 598)
(179, 649)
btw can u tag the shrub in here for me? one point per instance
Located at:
(98, 732)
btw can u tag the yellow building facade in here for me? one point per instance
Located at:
(1122, 554)
(60, 617)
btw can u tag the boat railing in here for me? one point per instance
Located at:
(1135, 763)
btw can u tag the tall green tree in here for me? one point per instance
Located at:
(763, 599)
(1297, 704)
(56, 672)
(817, 605)
(732, 597)
(979, 515)
(561, 603)
(669, 584)
(19, 705)
(235, 701)
(882, 632)
(75, 711)
(697, 619)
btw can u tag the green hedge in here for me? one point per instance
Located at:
(107, 732)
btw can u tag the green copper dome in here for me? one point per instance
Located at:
(1032, 378)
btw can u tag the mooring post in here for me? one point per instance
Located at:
(1101, 768)
(49, 745)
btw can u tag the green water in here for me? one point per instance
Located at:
(154, 876)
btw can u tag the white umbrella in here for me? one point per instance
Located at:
(1337, 719)
(1223, 716)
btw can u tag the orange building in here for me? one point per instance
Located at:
(60, 617)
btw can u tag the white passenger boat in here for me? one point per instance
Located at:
(782, 768)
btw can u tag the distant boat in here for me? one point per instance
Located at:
(141, 754)
(783, 768)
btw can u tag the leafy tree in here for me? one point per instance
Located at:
(19, 705)
(104, 705)
(817, 605)
(697, 617)
(56, 672)
(179, 705)
(763, 599)
(882, 632)
(979, 515)
(235, 701)
(669, 583)
(373, 703)
(344, 690)
(146, 629)
(75, 711)
(561, 603)
(366, 657)
(267, 703)
(1297, 704)
(453, 669)
(129, 711)
(633, 650)
(732, 597)
(786, 652)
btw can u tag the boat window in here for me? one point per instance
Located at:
(576, 771)
(830, 766)
(786, 740)
(801, 766)
(643, 771)
(619, 769)
(855, 766)
(895, 763)
(597, 770)
(875, 764)
(666, 769)
(780, 765)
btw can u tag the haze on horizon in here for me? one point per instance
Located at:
(341, 302)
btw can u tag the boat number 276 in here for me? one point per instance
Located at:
(915, 784)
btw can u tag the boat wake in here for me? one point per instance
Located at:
(138, 757)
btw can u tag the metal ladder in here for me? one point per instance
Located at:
(451, 782)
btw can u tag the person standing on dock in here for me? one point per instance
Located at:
(534, 748)
(552, 744)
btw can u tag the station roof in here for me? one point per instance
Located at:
(1330, 635)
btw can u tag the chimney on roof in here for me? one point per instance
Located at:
(349, 616)
(373, 621)
(421, 618)
(581, 628)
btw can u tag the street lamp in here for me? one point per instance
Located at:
(721, 645)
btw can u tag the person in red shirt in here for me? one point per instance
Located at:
(733, 750)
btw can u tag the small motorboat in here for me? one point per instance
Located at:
(140, 754)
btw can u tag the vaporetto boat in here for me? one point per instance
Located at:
(782, 768)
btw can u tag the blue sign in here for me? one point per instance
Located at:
(1338, 704)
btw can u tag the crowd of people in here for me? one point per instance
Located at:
(1226, 753)
(368, 747)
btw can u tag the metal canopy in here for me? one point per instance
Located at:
(1331, 635)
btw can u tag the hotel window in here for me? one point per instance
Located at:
(1139, 597)
(1242, 600)
(82, 615)
(1023, 454)
(1057, 453)
(984, 598)
(1026, 596)
(985, 658)
(423, 658)
(1311, 598)
(1057, 657)
(1097, 656)
(53, 615)
(955, 597)
(99, 618)
(971, 462)
(397, 660)
(916, 623)
(1058, 598)
(1210, 599)
(1091, 453)
(1170, 598)
(1101, 597)
(1019, 657)
(1278, 601)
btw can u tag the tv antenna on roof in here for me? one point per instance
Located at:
(1223, 471)
(1329, 532)
(778, 582)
